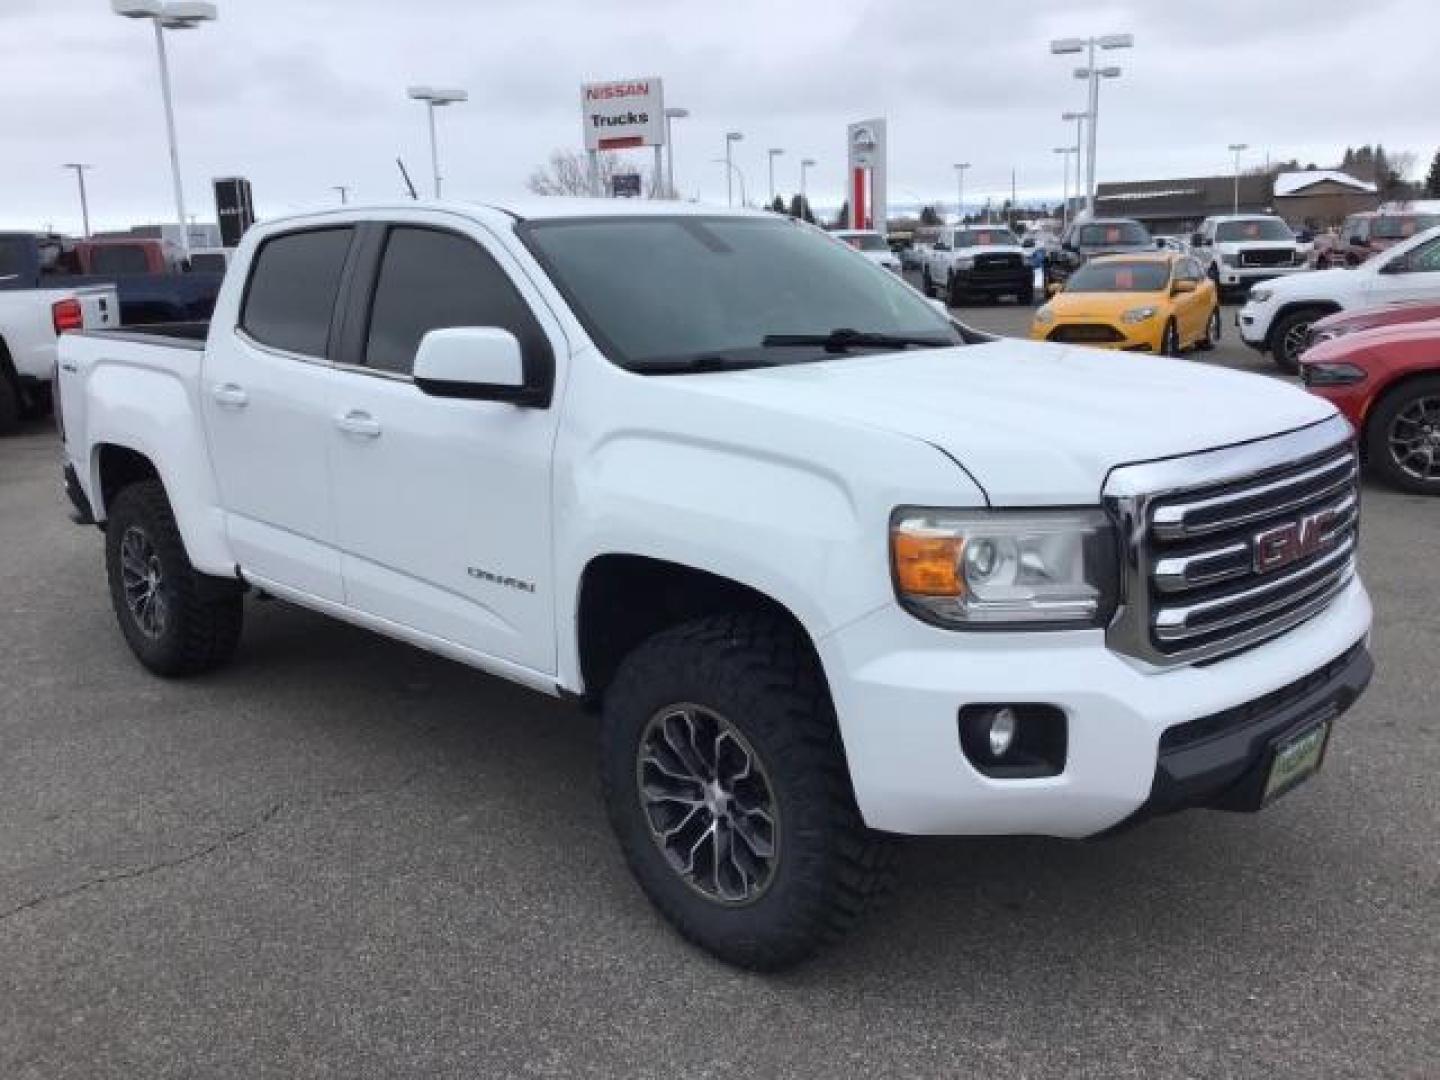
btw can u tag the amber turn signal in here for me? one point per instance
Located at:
(926, 565)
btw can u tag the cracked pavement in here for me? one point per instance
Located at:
(344, 857)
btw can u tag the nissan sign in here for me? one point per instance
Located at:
(617, 115)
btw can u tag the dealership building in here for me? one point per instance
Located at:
(1314, 199)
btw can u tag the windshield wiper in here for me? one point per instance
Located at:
(686, 365)
(844, 339)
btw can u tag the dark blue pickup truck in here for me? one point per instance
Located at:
(31, 260)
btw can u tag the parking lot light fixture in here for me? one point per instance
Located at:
(805, 164)
(960, 167)
(1092, 74)
(671, 114)
(731, 138)
(174, 15)
(84, 203)
(1065, 184)
(773, 153)
(733, 170)
(436, 97)
(1236, 148)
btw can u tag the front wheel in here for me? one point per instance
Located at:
(176, 620)
(726, 786)
(1402, 437)
(1212, 332)
(1290, 338)
(1170, 340)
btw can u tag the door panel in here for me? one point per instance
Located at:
(443, 505)
(268, 414)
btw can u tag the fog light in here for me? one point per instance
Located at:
(1002, 732)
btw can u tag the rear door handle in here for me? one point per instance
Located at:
(356, 422)
(230, 396)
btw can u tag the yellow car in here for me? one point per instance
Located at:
(1156, 303)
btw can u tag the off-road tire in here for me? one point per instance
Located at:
(764, 680)
(203, 615)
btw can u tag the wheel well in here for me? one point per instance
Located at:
(626, 599)
(1390, 390)
(119, 467)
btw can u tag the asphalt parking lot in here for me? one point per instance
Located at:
(344, 857)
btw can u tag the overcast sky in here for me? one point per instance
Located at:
(300, 95)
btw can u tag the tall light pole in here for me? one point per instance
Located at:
(1236, 148)
(436, 97)
(805, 163)
(84, 204)
(344, 192)
(731, 138)
(671, 114)
(960, 167)
(1094, 75)
(1065, 183)
(733, 170)
(1079, 118)
(773, 153)
(171, 15)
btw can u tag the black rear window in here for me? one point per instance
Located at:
(1107, 233)
(119, 259)
(14, 257)
(293, 285)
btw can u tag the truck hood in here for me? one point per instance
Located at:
(1033, 424)
(991, 249)
(1335, 282)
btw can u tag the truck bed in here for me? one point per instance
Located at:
(180, 335)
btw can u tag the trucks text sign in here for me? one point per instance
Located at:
(616, 115)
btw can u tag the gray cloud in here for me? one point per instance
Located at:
(302, 95)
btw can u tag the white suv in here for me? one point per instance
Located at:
(1240, 250)
(1278, 315)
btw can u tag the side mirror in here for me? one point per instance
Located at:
(1069, 245)
(482, 363)
(1054, 287)
(1184, 285)
(940, 245)
(1196, 240)
(938, 305)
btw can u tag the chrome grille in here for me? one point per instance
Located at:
(1254, 540)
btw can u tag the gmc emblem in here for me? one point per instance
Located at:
(1291, 542)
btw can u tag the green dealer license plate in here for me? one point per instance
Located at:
(1296, 759)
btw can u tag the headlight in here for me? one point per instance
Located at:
(1260, 294)
(1045, 315)
(1000, 569)
(1322, 374)
(1228, 259)
(965, 262)
(1138, 315)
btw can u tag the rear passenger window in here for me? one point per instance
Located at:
(430, 280)
(292, 290)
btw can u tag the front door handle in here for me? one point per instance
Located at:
(357, 422)
(230, 396)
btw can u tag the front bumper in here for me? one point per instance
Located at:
(1128, 337)
(1231, 277)
(994, 282)
(1254, 325)
(899, 684)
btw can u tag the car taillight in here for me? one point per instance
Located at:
(67, 315)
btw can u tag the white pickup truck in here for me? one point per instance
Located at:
(1278, 314)
(977, 260)
(830, 565)
(31, 322)
(1240, 250)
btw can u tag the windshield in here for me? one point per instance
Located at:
(985, 238)
(1109, 233)
(1151, 275)
(656, 291)
(865, 241)
(1254, 229)
(1402, 228)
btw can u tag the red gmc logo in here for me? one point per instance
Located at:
(1291, 542)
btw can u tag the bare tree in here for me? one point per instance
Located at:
(568, 173)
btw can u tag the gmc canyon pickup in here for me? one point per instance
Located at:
(830, 565)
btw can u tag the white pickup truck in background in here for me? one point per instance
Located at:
(31, 322)
(1240, 250)
(830, 565)
(983, 260)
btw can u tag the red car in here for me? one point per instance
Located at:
(1386, 381)
(1356, 319)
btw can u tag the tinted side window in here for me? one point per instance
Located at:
(430, 280)
(292, 290)
(1424, 260)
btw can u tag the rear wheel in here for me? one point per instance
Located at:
(9, 405)
(1402, 437)
(176, 620)
(1290, 337)
(726, 786)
